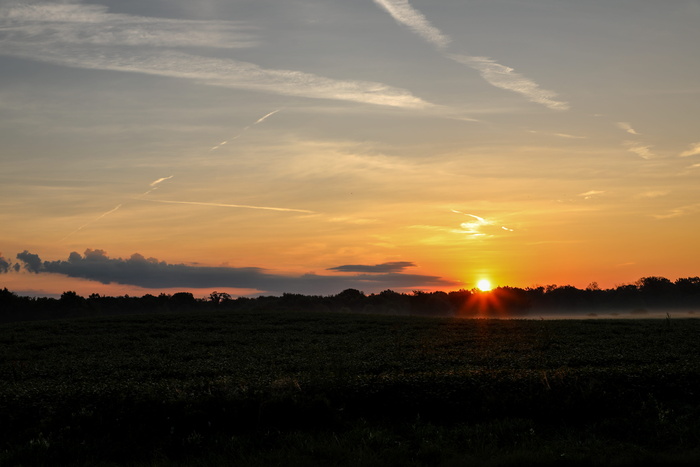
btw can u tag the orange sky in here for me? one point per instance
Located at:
(404, 145)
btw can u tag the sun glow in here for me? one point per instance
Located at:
(484, 285)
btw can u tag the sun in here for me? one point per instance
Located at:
(484, 285)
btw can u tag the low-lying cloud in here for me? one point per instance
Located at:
(5, 265)
(396, 266)
(141, 271)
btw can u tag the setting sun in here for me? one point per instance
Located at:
(484, 285)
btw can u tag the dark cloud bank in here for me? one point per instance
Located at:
(6, 265)
(384, 268)
(152, 273)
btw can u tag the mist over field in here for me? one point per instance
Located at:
(649, 297)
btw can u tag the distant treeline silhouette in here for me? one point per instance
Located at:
(647, 294)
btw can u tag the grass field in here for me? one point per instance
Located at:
(342, 389)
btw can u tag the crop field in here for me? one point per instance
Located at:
(345, 389)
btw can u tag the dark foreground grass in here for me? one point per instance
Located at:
(325, 389)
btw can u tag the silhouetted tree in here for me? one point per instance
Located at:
(72, 304)
(218, 298)
(656, 291)
(182, 300)
(350, 299)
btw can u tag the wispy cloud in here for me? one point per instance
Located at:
(473, 228)
(678, 212)
(559, 135)
(590, 194)
(652, 194)
(642, 150)
(84, 36)
(627, 127)
(506, 78)
(74, 23)
(494, 73)
(694, 150)
(568, 136)
(405, 14)
(477, 227)
(224, 205)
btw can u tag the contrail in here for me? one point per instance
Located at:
(160, 180)
(154, 184)
(88, 223)
(244, 206)
(260, 120)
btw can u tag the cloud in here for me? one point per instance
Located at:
(679, 211)
(506, 78)
(642, 150)
(73, 23)
(479, 227)
(627, 127)
(473, 228)
(494, 73)
(396, 266)
(568, 136)
(652, 194)
(151, 273)
(5, 265)
(84, 36)
(559, 135)
(405, 14)
(32, 262)
(590, 194)
(694, 150)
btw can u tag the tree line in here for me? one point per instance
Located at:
(646, 294)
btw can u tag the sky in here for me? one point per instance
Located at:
(310, 146)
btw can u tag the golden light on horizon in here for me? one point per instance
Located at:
(484, 285)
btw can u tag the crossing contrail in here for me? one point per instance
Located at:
(155, 184)
(223, 205)
(94, 220)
